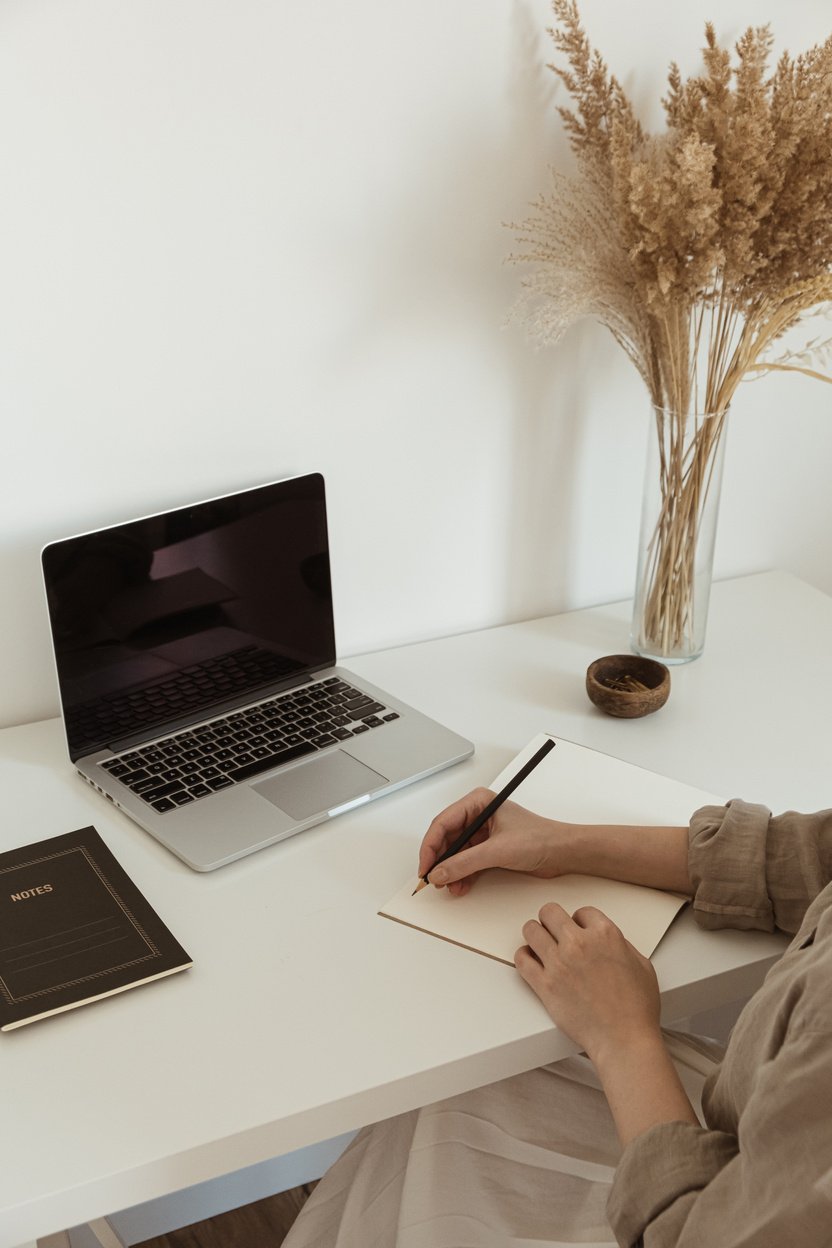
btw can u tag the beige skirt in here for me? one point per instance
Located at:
(524, 1163)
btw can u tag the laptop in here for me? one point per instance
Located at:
(195, 652)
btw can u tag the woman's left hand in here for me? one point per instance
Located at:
(595, 985)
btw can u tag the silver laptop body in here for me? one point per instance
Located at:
(195, 652)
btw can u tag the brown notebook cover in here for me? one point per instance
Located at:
(74, 928)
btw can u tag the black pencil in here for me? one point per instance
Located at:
(484, 815)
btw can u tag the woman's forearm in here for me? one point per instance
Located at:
(654, 856)
(642, 1087)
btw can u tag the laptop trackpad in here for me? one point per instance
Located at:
(319, 785)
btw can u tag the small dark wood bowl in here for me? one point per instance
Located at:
(613, 685)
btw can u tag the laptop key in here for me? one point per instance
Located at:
(133, 777)
(163, 804)
(145, 786)
(372, 709)
(354, 706)
(271, 760)
(163, 790)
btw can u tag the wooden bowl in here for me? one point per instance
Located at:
(626, 685)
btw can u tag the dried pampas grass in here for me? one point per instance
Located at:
(698, 248)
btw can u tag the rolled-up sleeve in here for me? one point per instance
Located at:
(752, 870)
(666, 1164)
(682, 1186)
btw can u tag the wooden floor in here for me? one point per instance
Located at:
(263, 1224)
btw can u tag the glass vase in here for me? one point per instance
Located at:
(680, 508)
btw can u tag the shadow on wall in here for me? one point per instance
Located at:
(459, 296)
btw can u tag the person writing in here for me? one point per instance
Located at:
(648, 1138)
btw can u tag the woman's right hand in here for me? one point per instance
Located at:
(514, 838)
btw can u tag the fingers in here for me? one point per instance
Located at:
(565, 929)
(468, 862)
(555, 920)
(447, 826)
(527, 964)
(589, 916)
(538, 940)
(554, 928)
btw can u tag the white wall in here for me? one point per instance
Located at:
(246, 238)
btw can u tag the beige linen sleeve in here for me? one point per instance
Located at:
(752, 870)
(681, 1186)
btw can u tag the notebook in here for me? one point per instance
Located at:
(196, 663)
(574, 784)
(75, 929)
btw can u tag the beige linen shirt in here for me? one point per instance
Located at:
(759, 1173)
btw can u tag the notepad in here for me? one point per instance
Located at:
(74, 928)
(574, 784)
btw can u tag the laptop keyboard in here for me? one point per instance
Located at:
(176, 770)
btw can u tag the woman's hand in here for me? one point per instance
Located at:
(595, 985)
(604, 995)
(518, 840)
(513, 838)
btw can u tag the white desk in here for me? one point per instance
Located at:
(305, 1014)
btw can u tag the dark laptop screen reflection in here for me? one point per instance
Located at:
(166, 616)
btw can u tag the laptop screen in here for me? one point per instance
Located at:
(163, 620)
